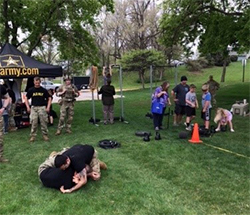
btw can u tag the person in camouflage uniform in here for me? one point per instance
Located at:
(3, 105)
(213, 87)
(68, 92)
(40, 107)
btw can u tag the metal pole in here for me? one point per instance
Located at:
(121, 98)
(243, 77)
(151, 79)
(175, 75)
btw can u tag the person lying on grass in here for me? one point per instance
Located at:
(78, 156)
(74, 164)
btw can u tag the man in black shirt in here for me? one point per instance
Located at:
(179, 97)
(3, 105)
(108, 92)
(40, 104)
(83, 159)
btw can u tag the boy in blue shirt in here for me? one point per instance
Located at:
(206, 105)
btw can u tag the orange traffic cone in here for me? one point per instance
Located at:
(195, 135)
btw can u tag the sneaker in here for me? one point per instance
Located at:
(185, 124)
(32, 139)
(157, 128)
(231, 130)
(217, 129)
(102, 165)
(45, 138)
(189, 128)
(58, 132)
(3, 160)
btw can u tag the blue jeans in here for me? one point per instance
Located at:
(157, 118)
(6, 123)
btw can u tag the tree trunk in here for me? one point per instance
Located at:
(142, 79)
(6, 25)
(223, 75)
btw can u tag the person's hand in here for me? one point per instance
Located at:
(47, 109)
(169, 104)
(193, 105)
(176, 100)
(95, 176)
(76, 179)
(64, 191)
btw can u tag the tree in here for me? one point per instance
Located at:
(218, 24)
(67, 22)
(133, 25)
(140, 61)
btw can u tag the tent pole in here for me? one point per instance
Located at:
(121, 98)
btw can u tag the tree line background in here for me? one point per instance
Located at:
(134, 33)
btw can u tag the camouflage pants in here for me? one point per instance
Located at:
(38, 112)
(95, 163)
(213, 100)
(1, 136)
(67, 110)
(108, 112)
(11, 116)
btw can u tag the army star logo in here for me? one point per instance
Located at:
(11, 61)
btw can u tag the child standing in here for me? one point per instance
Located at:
(191, 105)
(223, 117)
(206, 105)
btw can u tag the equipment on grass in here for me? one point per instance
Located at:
(183, 135)
(157, 136)
(146, 138)
(108, 144)
(142, 133)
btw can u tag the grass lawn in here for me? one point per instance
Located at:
(170, 176)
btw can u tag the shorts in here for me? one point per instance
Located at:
(206, 115)
(180, 109)
(190, 111)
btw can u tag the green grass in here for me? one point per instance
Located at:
(170, 176)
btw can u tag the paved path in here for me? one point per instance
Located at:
(85, 95)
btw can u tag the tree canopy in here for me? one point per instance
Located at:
(67, 22)
(218, 25)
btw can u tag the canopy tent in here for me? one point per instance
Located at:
(15, 64)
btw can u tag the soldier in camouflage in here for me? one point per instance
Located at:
(3, 105)
(68, 93)
(213, 87)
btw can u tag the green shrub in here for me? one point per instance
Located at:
(233, 58)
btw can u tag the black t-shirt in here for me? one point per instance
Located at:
(39, 96)
(55, 178)
(80, 155)
(3, 92)
(180, 93)
(107, 91)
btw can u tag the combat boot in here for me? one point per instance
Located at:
(45, 138)
(58, 132)
(32, 139)
(3, 160)
(102, 165)
(68, 131)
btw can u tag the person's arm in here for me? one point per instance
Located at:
(5, 103)
(174, 95)
(79, 179)
(169, 102)
(160, 94)
(103, 71)
(27, 103)
(196, 103)
(60, 91)
(49, 104)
